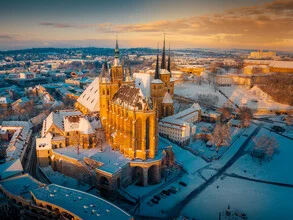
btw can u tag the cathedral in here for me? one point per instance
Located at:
(130, 119)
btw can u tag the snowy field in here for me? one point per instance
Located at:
(257, 200)
(238, 94)
(279, 169)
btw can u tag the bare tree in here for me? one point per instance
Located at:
(245, 116)
(208, 99)
(264, 148)
(226, 111)
(221, 135)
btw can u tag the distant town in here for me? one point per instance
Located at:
(144, 133)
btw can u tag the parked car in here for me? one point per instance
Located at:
(157, 197)
(278, 128)
(173, 191)
(182, 183)
(155, 201)
(166, 192)
(163, 195)
(177, 189)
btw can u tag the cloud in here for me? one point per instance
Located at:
(57, 25)
(6, 36)
(270, 22)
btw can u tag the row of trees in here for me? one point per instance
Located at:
(279, 87)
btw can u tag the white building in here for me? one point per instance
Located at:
(180, 128)
(18, 133)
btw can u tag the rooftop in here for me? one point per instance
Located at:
(21, 185)
(81, 204)
(90, 97)
(130, 97)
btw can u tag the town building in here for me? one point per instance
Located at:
(52, 201)
(15, 137)
(180, 127)
(260, 54)
(192, 69)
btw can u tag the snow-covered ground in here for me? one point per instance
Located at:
(187, 160)
(191, 164)
(257, 200)
(279, 169)
(234, 148)
(200, 146)
(254, 98)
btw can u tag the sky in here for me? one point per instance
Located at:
(226, 24)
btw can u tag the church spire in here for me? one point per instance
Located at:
(157, 73)
(163, 64)
(105, 69)
(116, 49)
(169, 61)
(116, 54)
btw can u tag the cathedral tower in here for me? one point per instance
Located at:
(157, 90)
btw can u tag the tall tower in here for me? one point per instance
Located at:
(104, 94)
(165, 75)
(116, 54)
(169, 61)
(171, 81)
(163, 64)
(116, 71)
(157, 91)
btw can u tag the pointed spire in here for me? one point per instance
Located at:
(116, 48)
(105, 69)
(129, 72)
(157, 72)
(163, 64)
(169, 61)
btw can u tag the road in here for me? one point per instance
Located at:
(31, 166)
(175, 212)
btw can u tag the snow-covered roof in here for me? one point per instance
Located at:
(167, 98)
(172, 122)
(21, 185)
(38, 119)
(90, 98)
(5, 100)
(57, 118)
(157, 81)
(189, 112)
(271, 63)
(110, 161)
(130, 97)
(81, 204)
(78, 123)
(19, 142)
(17, 124)
(142, 81)
(10, 168)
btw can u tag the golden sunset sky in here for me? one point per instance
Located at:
(245, 24)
